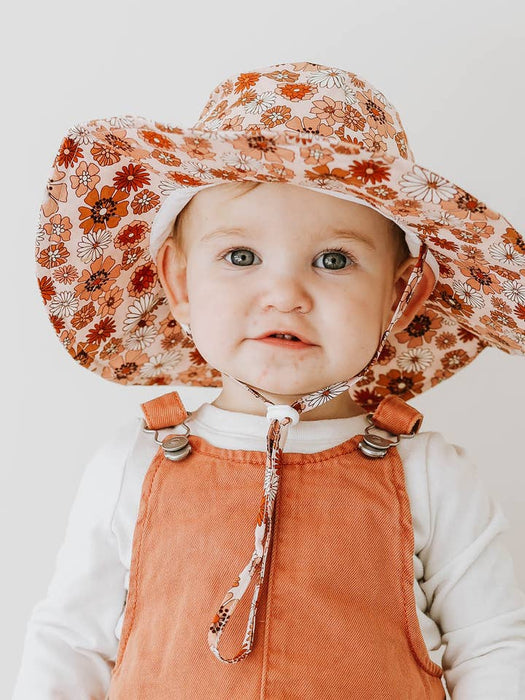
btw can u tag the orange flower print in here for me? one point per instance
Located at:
(404, 384)
(442, 243)
(377, 118)
(445, 340)
(406, 207)
(388, 352)
(99, 279)
(184, 178)
(131, 177)
(258, 146)
(282, 76)
(454, 360)
(130, 257)
(464, 335)
(101, 331)
(520, 311)
(111, 348)
(198, 148)
(372, 171)
(382, 192)
(166, 157)
(421, 329)
(70, 152)
(322, 175)
(104, 210)
(353, 119)
(464, 205)
(56, 192)
(47, 288)
(57, 322)
(53, 256)
(316, 155)
(367, 399)
(170, 328)
(84, 353)
(197, 377)
(59, 228)
(142, 280)
(447, 298)
(83, 316)
(144, 201)
(402, 143)
(375, 142)
(158, 140)
(123, 368)
(330, 110)
(105, 154)
(196, 358)
(296, 91)
(110, 301)
(169, 128)
(85, 178)
(309, 125)
(66, 274)
(515, 239)
(131, 235)
(245, 81)
(481, 278)
(276, 171)
(275, 116)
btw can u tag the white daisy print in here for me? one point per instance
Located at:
(167, 186)
(426, 186)
(261, 103)
(329, 77)
(64, 304)
(505, 254)
(198, 170)
(80, 134)
(468, 294)
(350, 96)
(92, 245)
(161, 364)
(124, 122)
(445, 218)
(241, 161)
(415, 359)
(317, 398)
(514, 291)
(140, 338)
(140, 308)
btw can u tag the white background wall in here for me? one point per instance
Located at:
(454, 70)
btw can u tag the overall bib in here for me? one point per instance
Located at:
(337, 616)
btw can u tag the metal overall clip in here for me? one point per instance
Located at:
(376, 446)
(175, 447)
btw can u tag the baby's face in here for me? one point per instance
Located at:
(283, 258)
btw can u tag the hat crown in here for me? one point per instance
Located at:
(310, 99)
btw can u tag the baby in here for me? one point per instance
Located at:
(301, 261)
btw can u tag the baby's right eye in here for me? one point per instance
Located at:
(241, 257)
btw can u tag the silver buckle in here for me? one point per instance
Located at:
(376, 446)
(175, 447)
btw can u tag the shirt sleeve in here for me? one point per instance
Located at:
(470, 582)
(70, 644)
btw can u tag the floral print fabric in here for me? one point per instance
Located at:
(301, 123)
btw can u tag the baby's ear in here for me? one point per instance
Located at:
(420, 294)
(171, 268)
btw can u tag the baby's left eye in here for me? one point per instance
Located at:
(334, 260)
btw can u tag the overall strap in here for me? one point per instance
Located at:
(164, 412)
(395, 416)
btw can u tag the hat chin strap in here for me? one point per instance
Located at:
(279, 418)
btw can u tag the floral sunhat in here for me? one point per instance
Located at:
(301, 123)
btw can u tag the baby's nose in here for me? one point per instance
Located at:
(285, 293)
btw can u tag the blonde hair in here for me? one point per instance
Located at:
(401, 250)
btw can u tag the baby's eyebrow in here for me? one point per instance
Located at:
(224, 231)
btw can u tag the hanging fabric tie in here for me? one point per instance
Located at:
(280, 416)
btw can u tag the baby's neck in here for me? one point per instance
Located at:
(234, 397)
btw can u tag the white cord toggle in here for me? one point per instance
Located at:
(280, 411)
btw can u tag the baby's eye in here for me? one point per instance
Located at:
(242, 257)
(334, 259)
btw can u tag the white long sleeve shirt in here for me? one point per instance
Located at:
(465, 587)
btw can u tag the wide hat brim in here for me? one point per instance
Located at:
(100, 284)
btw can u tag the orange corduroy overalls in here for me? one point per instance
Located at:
(337, 614)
